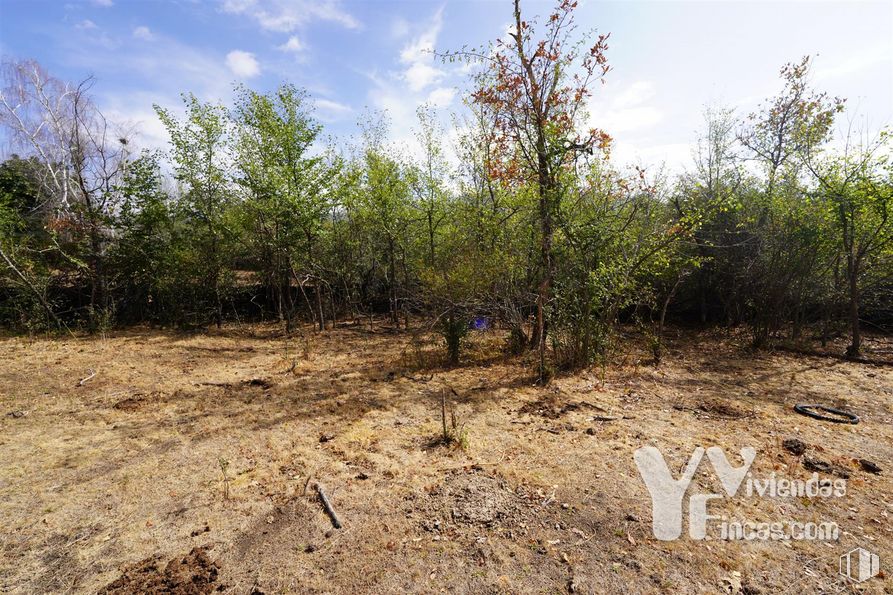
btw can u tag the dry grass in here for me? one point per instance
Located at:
(98, 477)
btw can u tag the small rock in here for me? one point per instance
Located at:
(362, 475)
(326, 437)
(820, 466)
(590, 431)
(869, 466)
(817, 465)
(16, 414)
(310, 548)
(794, 446)
(632, 518)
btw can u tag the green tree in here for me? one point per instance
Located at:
(200, 155)
(858, 188)
(142, 258)
(536, 89)
(382, 206)
(289, 191)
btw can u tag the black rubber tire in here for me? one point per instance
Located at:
(840, 417)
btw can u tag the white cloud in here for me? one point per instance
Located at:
(103, 3)
(284, 16)
(292, 45)
(143, 33)
(418, 56)
(419, 75)
(330, 111)
(624, 108)
(674, 156)
(237, 6)
(85, 25)
(242, 64)
(159, 80)
(417, 81)
(635, 94)
(863, 59)
(399, 28)
(441, 97)
(630, 112)
(149, 133)
(625, 120)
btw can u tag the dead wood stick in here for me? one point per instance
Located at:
(443, 413)
(88, 377)
(336, 522)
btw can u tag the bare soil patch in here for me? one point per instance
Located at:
(472, 499)
(192, 574)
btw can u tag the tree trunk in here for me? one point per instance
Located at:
(546, 232)
(322, 315)
(855, 347)
(430, 238)
(392, 282)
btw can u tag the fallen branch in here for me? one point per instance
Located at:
(604, 418)
(550, 430)
(89, 376)
(336, 522)
(414, 379)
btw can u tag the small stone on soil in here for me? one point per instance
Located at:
(794, 446)
(817, 465)
(869, 466)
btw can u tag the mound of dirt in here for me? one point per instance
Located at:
(715, 409)
(275, 550)
(550, 407)
(475, 499)
(290, 527)
(192, 574)
(129, 404)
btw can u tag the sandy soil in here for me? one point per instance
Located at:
(189, 462)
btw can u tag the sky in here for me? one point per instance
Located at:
(670, 59)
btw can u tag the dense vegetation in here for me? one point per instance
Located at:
(777, 225)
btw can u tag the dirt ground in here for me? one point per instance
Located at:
(150, 461)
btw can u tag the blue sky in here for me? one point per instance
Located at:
(669, 58)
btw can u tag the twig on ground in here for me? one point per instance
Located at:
(336, 522)
(89, 376)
